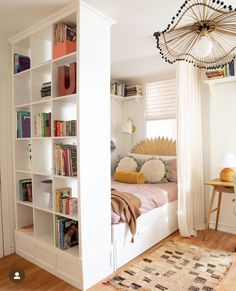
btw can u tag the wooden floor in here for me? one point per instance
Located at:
(40, 280)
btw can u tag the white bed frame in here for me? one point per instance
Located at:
(153, 226)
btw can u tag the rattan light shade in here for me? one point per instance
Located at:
(178, 41)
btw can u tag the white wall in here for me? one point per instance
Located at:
(6, 148)
(134, 110)
(219, 137)
(119, 113)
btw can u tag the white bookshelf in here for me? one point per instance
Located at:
(214, 81)
(27, 96)
(35, 157)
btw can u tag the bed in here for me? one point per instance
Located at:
(158, 212)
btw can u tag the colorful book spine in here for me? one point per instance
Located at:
(65, 128)
(23, 124)
(42, 124)
(65, 160)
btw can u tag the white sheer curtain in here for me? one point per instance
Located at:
(189, 150)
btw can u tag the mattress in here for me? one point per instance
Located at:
(151, 195)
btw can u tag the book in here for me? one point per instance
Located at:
(42, 124)
(23, 124)
(66, 233)
(25, 190)
(21, 63)
(225, 71)
(65, 160)
(65, 128)
(71, 206)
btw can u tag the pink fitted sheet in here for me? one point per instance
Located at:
(151, 195)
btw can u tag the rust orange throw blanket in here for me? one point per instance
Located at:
(127, 206)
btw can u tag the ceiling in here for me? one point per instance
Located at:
(17, 15)
(133, 47)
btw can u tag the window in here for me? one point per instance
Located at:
(161, 109)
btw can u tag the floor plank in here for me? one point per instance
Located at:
(40, 280)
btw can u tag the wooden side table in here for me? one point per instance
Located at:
(221, 187)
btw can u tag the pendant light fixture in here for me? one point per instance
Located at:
(202, 32)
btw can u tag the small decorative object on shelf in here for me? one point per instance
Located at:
(25, 190)
(67, 79)
(23, 124)
(42, 124)
(47, 188)
(225, 71)
(64, 40)
(46, 89)
(66, 231)
(21, 63)
(65, 128)
(65, 160)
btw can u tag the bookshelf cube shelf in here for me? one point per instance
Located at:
(23, 155)
(20, 177)
(64, 61)
(65, 117)
(22, 88)
(44, 230)
(36, 90)
(41, 198)
(62, 48)
(42, 156)
(41, 47)
(41, 119)
(25, 219)
(39, 76)
(66, 233)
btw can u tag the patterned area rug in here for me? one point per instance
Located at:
(175, 266)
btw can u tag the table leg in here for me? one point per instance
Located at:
(209, 211)
(218, 209)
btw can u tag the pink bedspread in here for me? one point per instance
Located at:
(151, 195)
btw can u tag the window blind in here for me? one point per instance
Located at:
(161, 100)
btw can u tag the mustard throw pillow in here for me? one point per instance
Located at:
(129, 177)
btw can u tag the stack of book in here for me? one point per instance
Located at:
(225, 71)
(66, 233)
(46, 89)
(133, 90)
(65, 128)
(118, 89)
(64, 202)
(42, 124)
(23, 124)
(25, 190)
(65, 160)
(21, 63)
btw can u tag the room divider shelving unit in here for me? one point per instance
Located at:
(90, 261)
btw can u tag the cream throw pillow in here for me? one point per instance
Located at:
(127, 164)
(154, 171)
(141, 158)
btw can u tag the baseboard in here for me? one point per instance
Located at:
(13, 249)
(223, 227)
